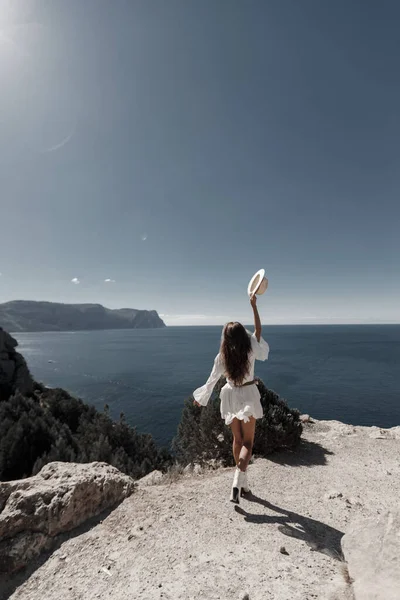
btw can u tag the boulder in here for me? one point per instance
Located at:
(152, 478)
(394, 432)
(197, 469)
(59, 498)
(372, 550)
(306, 419)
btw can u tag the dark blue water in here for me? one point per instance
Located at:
(350, 373)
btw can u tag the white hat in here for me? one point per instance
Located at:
(258, 283)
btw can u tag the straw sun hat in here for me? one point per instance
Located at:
(258, 283)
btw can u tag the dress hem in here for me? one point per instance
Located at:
(241, 416)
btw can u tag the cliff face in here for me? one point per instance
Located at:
(14, 373)
(26, 315)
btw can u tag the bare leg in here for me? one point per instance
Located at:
(248, 430)
(237, 439)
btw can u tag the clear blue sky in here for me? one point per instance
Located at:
(178, 146)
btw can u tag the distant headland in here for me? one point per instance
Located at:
(29, 315)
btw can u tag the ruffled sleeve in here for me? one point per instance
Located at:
(202, 394)
(260, 348)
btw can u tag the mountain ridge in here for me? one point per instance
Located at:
(32, 315)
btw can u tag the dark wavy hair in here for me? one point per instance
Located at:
(235, 349)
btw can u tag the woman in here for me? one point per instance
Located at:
(240, 398)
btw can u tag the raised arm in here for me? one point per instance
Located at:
(257, 321)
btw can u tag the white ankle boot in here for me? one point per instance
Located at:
(245, 484)
(237, 486)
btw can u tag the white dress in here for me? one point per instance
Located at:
(236, 402)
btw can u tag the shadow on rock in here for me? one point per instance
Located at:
(307, 454)
(8, 584)
(318, 536)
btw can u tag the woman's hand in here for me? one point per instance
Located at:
(253, 300)
(196, 403)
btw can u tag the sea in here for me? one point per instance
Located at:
(346, 372)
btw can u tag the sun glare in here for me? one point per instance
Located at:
(7, 13)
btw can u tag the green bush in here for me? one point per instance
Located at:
(27, 432)
(52, 425)
(202, 434)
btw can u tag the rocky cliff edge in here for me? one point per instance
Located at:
(182, 539)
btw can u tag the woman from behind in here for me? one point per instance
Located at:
(240, 398)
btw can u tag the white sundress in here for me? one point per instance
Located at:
(236, 402)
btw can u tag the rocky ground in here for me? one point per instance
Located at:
(184, 539)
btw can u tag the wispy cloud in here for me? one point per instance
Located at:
(59, 145)
(185, 316)
(109, 281)
(194, 319)
(75, 281)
